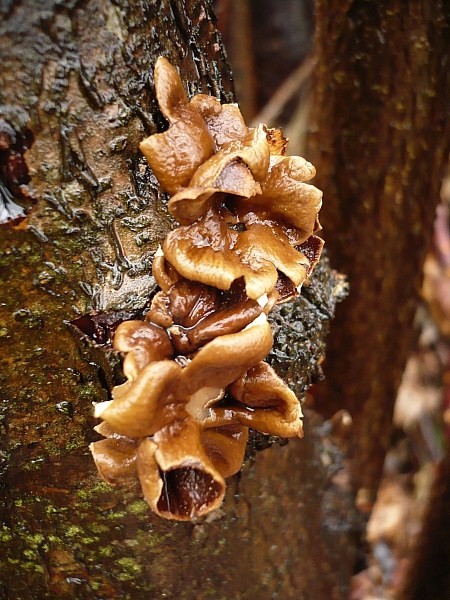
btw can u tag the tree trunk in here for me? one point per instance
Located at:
(379, 139)
(429, 570)
(76, 98)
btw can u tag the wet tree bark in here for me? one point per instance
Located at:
(380, 139)
(76, 97)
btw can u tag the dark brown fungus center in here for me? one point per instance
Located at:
(147, 339)
(100, 327)
(186, 491)
(229, 320)
(285, 288)
(191, 301)
(312, 249)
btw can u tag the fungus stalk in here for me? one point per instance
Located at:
(196, 376)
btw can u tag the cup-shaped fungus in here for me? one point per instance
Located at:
(210, 252)
(235, 169)
(114, 456)
(162, 414)
(263, 402)
(144, 342)
(181, 469)
(169, 424)
(163, 390)
(286, 198)
(175, 154)
(195, 370)
(177, 477)
(246, 172)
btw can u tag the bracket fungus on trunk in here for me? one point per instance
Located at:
(196, 376)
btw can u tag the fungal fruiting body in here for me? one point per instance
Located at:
(196, 376)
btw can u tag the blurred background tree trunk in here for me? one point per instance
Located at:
(371, 99)
(379, 136)
(76, 97)
(429, 572)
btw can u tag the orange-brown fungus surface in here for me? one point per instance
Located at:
(196, 376)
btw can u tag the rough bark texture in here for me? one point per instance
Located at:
(380, 140)
(77, 89)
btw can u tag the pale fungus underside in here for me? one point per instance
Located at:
(195, 370)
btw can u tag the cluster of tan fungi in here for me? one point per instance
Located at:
(196, 380)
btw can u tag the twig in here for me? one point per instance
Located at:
(286, 91)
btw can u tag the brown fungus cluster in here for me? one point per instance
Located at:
(196, 376)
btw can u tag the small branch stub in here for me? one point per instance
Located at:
(196, 376)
